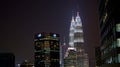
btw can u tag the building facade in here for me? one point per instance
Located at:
(47, 50)
(76, 41)
(109, 20)
(97, 57)
(7, 60)
(70, 58)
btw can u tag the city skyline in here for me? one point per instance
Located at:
(21, 19)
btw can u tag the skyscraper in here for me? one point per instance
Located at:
(70, 58)
(76, 41)
(109, 20)
(47, 50)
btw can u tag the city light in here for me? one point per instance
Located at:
(39, 35)
(54, 35)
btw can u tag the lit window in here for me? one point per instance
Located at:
(118, 27)
(54, 46)
(109, 60)
(80, 30)
(118, 42)
(106, 2)
(105, 17)
(118, 58)
(79, 40)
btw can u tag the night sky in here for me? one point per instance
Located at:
(20, 19)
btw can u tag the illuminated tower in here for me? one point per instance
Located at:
(76, 41)
(71, 55)
(71, 34)
(47, 50)
(79, 43)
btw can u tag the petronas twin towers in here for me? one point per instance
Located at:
(75, 55)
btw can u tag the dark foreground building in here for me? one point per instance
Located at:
(109, 20)
(47, 50)
(7, 60)
(97, 57)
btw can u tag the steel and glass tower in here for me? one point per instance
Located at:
(76, 41)
(47, 50)
(109, 23)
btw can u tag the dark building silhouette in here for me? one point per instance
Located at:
(47, 50)
(7, 60)
(109, 20)
(98, 57)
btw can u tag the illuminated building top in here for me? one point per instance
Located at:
(75, 27)
(75, 55)
(47, 50)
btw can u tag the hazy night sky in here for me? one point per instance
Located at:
(20, 19)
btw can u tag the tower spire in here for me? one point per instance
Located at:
(64, 42)
(77, 13)
(72, 19)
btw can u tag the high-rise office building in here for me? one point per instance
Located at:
(47, 50)
(76, 41)
(109, 20)
(7, 60)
